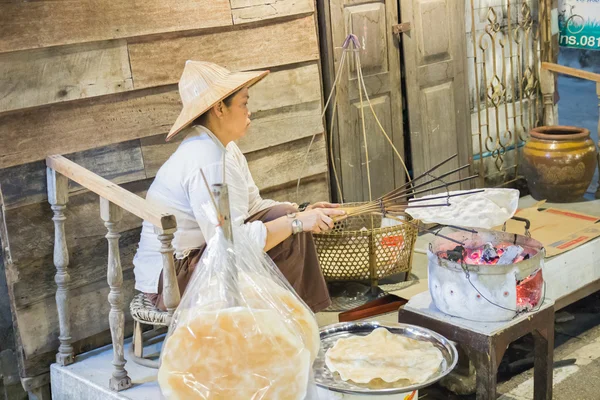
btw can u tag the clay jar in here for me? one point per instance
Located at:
(559, 163)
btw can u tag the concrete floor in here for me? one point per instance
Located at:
(577, 345)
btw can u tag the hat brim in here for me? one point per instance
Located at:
(223, 89)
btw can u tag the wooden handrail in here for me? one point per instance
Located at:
(112, 192)
(578, 73)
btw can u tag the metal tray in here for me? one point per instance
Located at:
(332, 333)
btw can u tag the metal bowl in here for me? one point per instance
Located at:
(332, 333)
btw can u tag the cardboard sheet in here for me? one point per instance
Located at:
(558, 230)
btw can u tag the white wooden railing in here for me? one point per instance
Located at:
(578, 73)
(113, 200)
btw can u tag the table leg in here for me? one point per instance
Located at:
(486, 367)
(543, 363)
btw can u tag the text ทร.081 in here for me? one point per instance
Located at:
(590, 41)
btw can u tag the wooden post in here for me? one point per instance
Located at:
(111, 214)
(220, 192)
(548, 87)
(171, 295)
(58, 196)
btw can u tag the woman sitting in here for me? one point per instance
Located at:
(214, 115)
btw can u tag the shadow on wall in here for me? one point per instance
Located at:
(6, 327)
(578, 104)
(10, 384)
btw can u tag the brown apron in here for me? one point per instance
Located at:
(296, 258)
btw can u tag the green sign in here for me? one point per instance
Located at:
(579, 24)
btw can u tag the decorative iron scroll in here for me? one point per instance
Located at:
(505, 96)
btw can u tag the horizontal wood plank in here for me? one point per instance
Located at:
(26, 184)
(312, 189)
(57, 74)
(34, 24)
(259, 10)
(31, 135)
(160, 62)
(38, 324)
(33, 366)
(280, 115)
(31, 229)
(574, 72)
(88, 264)
(286, 87)
(282, 125)
(158, 216)
(271, 168)
(123, 162)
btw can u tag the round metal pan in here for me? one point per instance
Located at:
(332, 333)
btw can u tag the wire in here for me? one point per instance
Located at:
(333, 90)
(517, 312)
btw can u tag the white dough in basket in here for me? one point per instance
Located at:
(487, 209)
(383, 355)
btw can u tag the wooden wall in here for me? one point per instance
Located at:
(97, 81)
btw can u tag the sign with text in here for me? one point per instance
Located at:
(579, 24)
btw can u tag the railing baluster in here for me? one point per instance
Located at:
(111, 214)
(113, 200)
(171, 295)
(58, 196)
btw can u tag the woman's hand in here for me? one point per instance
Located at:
(322, 204)
(318, 220)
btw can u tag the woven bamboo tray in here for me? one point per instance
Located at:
(358, 249)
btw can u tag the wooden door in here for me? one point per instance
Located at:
(372, 22)
(435, 64)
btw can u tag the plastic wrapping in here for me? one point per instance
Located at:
(240, 331)
(486, 209)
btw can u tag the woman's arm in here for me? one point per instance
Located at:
(315, 220)
(267, 235)
(200, 198)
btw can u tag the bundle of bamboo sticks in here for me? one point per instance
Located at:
(399, 200)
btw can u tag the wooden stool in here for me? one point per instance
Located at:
(486, 342)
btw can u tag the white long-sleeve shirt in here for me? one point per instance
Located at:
(179, 187)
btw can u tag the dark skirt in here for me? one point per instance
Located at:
(296, 258)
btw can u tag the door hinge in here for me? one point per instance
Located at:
(401, 28)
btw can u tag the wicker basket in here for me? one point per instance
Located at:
(358, 249)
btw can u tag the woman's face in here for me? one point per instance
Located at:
(236, 116)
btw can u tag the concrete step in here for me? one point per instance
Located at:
(88, 377)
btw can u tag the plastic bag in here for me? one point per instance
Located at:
(240, 331)
(486, 209)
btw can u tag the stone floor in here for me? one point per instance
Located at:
(577, 353)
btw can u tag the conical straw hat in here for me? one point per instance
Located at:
(204, 84)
